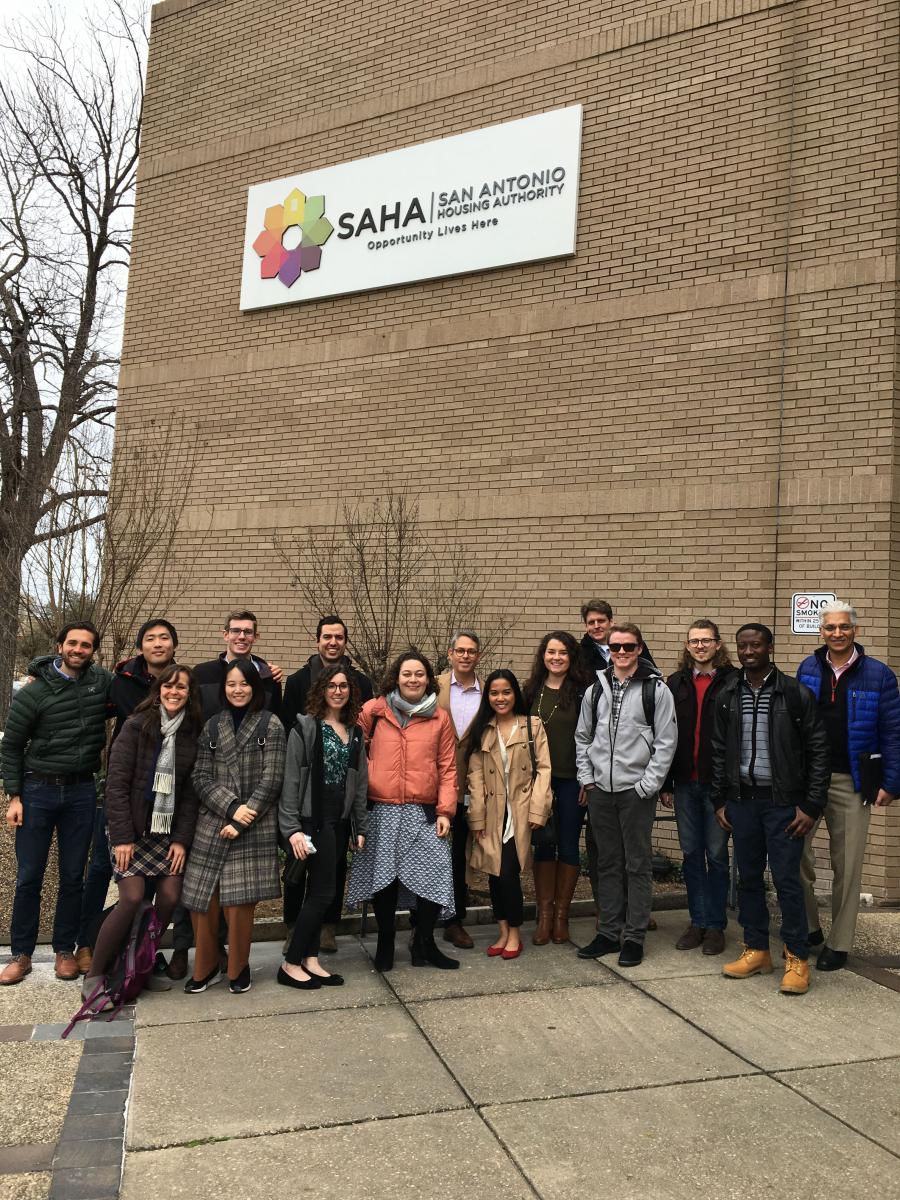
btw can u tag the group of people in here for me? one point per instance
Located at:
(435, 781)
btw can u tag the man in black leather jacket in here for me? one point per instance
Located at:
(770, 774)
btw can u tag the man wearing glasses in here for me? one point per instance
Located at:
(704, 667)
(239, 632)
(624, 745)
(460, 694)
(859, 704)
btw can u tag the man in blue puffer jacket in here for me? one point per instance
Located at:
(859, 704)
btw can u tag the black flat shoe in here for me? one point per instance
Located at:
(194, 986)
(831, 960)
(332, 980)
(306, 985)
(241, 984)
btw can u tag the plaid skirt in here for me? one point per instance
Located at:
(402, 844)
(149, 858)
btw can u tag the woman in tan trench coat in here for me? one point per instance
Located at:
(509, 785)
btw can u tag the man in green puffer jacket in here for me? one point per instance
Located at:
(54, 736)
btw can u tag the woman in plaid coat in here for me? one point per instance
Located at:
(234, 857)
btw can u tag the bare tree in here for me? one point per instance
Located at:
(397, 584)
(70, 121)
(114, 560)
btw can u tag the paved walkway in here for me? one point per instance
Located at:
(543, 1077)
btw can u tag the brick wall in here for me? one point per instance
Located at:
(729, 315)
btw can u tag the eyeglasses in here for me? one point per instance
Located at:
(701, 641)
(241, 632)
(465, 653)
(836, 628)
(622, 647)
(337, 687)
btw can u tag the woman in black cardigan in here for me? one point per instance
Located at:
(151, 809)
(325, 782)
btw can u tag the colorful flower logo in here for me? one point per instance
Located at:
(300, 220)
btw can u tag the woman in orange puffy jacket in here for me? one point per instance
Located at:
(412, 796)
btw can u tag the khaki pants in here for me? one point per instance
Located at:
(847, 822)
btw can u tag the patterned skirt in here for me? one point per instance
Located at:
(149, 858)
(402, 844)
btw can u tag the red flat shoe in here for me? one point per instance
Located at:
(512, 953)
(495, 951)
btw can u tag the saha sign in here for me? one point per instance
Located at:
(489, 198)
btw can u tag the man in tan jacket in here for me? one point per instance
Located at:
(460, 695)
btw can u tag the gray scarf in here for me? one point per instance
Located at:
(403, 710)
(164, 778)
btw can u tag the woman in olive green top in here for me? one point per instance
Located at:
(553, 693)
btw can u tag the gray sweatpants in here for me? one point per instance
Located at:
(622, 825)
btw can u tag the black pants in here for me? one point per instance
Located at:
(506, 888)
(458, 862)
(320, 874)
(295, 892)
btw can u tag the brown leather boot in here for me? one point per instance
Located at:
(16, 969)
(544, 889)
(566, 882)
(65, 967)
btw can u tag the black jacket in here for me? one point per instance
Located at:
(296, 688)
(681, 685)
(130, 686)
(798, 746)
(593, 660)
(209, 676)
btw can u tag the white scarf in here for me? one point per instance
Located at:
(164, 778)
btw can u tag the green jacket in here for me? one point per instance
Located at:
(56, 726)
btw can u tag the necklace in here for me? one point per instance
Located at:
(546, 720)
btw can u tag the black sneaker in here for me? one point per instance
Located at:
(598, 947)
(193, 986)
(632, 954)
(242, 983)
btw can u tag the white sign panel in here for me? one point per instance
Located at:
(495, 196)
(806, 608)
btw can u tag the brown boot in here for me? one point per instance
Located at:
(457, 936)
(65, 967)
(83, 957)
(16, 969)
(796, 975)
(751, 962)
(566, 881)
(327, 943)
(544, 889)
(178, 964)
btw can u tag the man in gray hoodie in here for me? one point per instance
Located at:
(624, 746)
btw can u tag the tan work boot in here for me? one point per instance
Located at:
(796, 975)
(751, 962)
(566, 882)
(16, 969)
(544, 891)
(83, 957)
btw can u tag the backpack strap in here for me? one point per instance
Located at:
(265, 718)
(648, 699)
(595, 704)
(531, 747)
(87, 1012)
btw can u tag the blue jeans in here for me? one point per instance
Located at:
(569, 820)
(69, 810)
(704, 844)
(96, 883)
(758, 831)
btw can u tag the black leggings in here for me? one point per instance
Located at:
(319, 895)
(117, 926)
(384, 905)
(506, 888)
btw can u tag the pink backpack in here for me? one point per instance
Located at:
(130, 971)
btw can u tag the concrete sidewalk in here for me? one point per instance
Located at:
(545, 1076)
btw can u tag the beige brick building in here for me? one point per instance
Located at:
(694, 414)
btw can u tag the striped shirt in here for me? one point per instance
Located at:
(756, 767)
